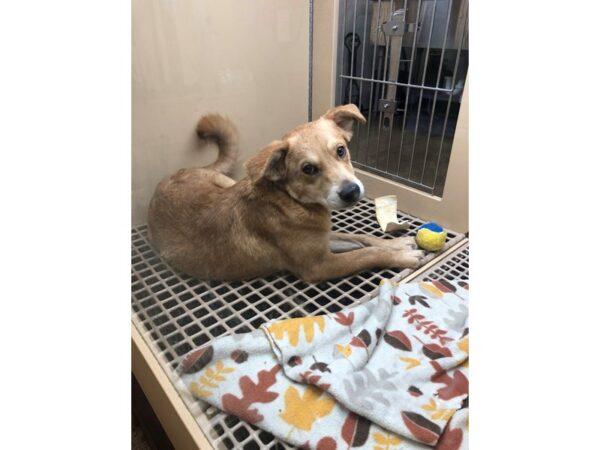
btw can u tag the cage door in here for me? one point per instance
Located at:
(404, 64)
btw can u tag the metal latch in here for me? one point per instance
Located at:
(397, 25)
(388, 106)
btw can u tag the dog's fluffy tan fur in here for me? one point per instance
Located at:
(277, 218)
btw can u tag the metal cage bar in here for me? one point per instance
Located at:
(435, 2)
(410, 71)
(412, 95)
(372, 75)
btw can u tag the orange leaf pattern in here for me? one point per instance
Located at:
(252, 393)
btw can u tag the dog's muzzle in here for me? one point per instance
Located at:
(350, 193)
(346, 194)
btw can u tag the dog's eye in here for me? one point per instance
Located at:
(310, 169)
(341, 151)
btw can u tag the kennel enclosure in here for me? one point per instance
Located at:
(404, 65)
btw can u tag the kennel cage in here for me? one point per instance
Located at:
(173, 313)
(404, 64)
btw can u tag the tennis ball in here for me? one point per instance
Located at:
(431, 237)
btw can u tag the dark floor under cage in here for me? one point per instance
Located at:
(176, 313)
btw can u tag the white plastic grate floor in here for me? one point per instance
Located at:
(177, 313)
(454, 266)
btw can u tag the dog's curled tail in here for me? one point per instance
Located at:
(221, 131)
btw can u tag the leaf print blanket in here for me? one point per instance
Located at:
(388, 374)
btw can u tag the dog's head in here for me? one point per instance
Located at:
(312, 162)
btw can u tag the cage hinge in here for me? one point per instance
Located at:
(397, 25)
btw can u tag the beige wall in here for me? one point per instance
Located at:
(324, 54)
(248, 60)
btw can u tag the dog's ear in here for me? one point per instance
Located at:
(344, 117)
(269, 163)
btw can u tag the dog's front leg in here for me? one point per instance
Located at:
(342, 242)
(335, 265)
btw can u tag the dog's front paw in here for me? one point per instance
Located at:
(403, 243)
(412, 258)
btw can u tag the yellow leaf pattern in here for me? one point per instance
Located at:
(209, 379)
(221, 368)
(345, 350)
(430, 290)
(394, 440)
(301, 412)
(385, 440)
(293, 326)
(438, 414)
(198, 391)
(442, 414)
(208, 382)
(431, 406)
(464, 345)
(411, 362)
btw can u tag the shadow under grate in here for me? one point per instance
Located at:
(177, 313)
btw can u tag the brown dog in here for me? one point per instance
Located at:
(278, 217)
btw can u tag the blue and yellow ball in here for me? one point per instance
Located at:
(431, 237)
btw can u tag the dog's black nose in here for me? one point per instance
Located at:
(350, 192)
